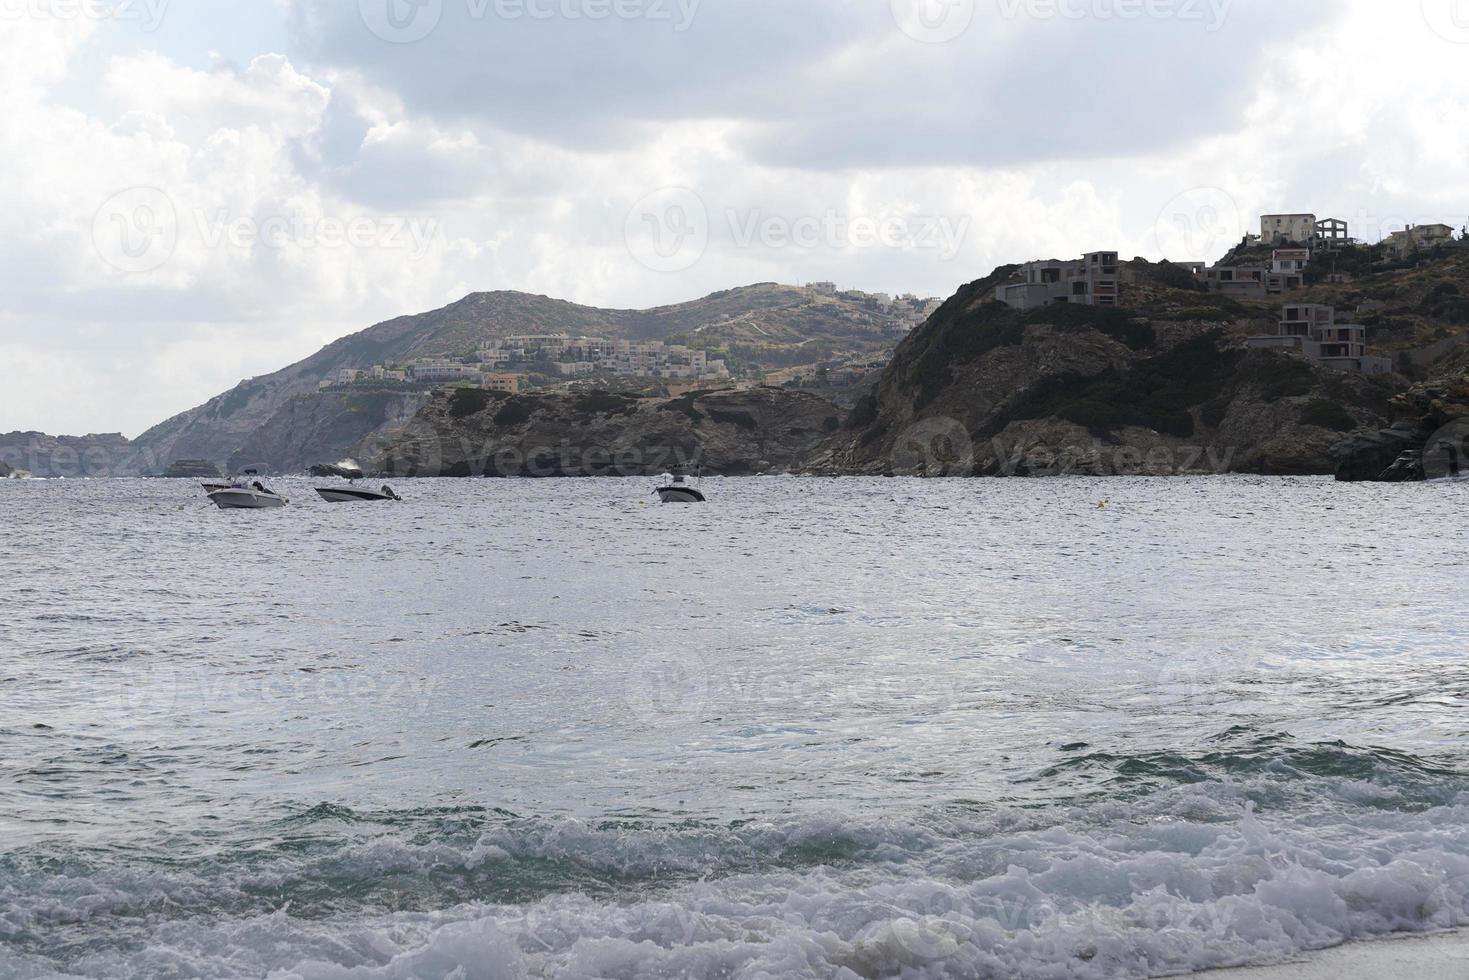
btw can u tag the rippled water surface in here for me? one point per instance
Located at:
(858, 728)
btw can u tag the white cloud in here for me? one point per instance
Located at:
(341, 180)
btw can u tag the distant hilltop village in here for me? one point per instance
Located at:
(907, 310)
(1291, 252)
(493, 366)
(513, 363)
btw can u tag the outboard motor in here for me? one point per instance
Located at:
(388, 492)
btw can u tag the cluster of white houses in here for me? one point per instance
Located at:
(494, 365)
(902, 312)
(1297, 239)
(428, 371)
(573, 356)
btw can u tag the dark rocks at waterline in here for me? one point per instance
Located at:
(341, 472)
(192, 469)
(1408, 468)
(1368, 456)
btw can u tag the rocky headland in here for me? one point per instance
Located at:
(476, 433)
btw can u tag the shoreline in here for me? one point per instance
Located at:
(1423, 956)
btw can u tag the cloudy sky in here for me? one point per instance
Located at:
(199, 191)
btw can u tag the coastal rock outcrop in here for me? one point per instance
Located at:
(1430, 439)
(984, 389)
(193, 469)
(69, 457)
(471, 432)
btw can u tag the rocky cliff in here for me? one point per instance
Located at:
(326, 426)
(72, 457)
(471, 432)
(1163, 386)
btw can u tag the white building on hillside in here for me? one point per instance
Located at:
(1287, 229)
(1287, 261)
(442, 370)
(1401, 244)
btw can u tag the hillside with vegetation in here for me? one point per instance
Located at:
(476, 433)
(1165, 383)
(757, 328)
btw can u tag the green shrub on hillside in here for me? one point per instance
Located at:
(605, 403)
(517, 411)
(1157, 393)
(1177, 277)
(1327, 414)
(684, 405)
(465, 402)
(864, 413)
(1278, 375)
(1201, 314)
(1114, 323)
(1445, 302)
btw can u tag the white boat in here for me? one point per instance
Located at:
(246, 494)
(678, 490)
(356, 495)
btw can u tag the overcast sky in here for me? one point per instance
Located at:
(199, 191)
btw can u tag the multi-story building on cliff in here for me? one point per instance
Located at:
(1250, 281)
(1311, 329)
(1092, 281)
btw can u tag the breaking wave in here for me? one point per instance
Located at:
(1250, 853)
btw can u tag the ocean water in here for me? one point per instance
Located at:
(817, 728)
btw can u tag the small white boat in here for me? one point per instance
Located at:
(678, 490)
(356, 495)
(243, 495)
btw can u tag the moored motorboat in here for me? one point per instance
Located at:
(351, 495)
(678, 490)
(246, 494)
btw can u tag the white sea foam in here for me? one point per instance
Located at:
(1193, 879)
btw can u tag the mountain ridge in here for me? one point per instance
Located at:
(759, 320)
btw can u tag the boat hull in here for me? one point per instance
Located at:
(237, 499)
(348, 495)
(680, 495)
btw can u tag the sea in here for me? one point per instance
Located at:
(815, 728)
